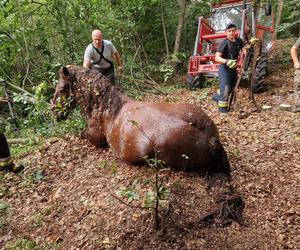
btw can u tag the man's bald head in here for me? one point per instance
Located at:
(97, 38)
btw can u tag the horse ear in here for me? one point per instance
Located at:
(66, 72)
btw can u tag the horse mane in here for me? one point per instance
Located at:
(93, 91)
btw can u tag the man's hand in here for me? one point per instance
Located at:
(297, 65)
(4, 100)
(231, 63)
(253, 40)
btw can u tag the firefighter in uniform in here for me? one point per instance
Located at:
(6, 161)
(227, 55)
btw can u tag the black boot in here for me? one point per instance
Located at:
(12, 168)
(16, 169)
(6, 162)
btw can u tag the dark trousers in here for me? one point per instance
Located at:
(5, 158)
(109, 72)
(228, 78)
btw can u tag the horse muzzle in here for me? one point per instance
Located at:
(60, 116)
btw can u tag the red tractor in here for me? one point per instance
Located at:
(252, 19)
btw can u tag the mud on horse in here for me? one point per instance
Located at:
(179, 134)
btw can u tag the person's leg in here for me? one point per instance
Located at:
(5, 158)
(216, 96)
(225, 77)
(297, 90)
(6, 162)
(234, 77)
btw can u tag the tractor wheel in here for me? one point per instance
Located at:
(194, 81)
(260, 74)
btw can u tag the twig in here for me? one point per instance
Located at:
(141, 44)
(242, 130)
(33, 11)
(20, 89)
(21, 140)
(134, 57)
(146, 82)
(127, 204)
(149, 77)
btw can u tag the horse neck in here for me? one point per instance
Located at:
(92, 92)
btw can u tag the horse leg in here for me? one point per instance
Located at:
(95, 136)
(83, 134)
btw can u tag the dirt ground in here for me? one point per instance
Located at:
(65, 198)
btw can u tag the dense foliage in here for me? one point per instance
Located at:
(38, 36)
(290, 24)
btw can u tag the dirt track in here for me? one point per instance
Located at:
(63, 199)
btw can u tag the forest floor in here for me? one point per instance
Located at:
(65, 198)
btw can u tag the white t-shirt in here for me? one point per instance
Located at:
(92, 55)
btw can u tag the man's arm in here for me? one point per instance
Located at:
(118, 60)
(86, 63)
(294, 54)
(219, 58)
(87, 57)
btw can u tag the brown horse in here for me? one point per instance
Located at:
(181, 135)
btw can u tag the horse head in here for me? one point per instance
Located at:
(63, 101)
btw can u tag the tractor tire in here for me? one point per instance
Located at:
(260, 74)
(194, 82)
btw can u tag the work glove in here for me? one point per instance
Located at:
(231, 63)
(253, 40)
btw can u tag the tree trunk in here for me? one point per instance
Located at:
(182, 4)
(279, 13)
(162, 7)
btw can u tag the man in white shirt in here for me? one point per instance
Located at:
(99, 56)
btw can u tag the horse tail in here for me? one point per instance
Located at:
(221, 164)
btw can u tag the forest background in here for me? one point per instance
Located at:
(155, 39)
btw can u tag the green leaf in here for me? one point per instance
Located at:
(150, 198)
(39, 175)
(134, 123)
(129, 194)
(3, 206)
